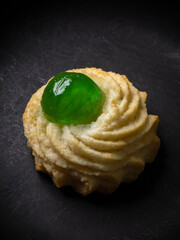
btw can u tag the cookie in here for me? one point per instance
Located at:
(100, 155)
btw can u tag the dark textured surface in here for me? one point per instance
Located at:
(37, 43)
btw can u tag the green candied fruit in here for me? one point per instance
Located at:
(72, 98)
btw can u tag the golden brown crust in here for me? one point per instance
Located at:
(101, 155)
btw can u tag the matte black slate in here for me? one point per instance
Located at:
(38, 42)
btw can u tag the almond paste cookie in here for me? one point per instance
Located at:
(99, 155)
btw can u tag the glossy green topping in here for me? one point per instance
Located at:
(72, 98)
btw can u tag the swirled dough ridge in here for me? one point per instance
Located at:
(101, 155)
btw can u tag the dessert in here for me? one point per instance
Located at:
(91, 132)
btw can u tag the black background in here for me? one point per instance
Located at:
(39, 41)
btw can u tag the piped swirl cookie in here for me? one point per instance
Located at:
(90, 129)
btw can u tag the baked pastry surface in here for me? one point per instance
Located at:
(101, 155)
